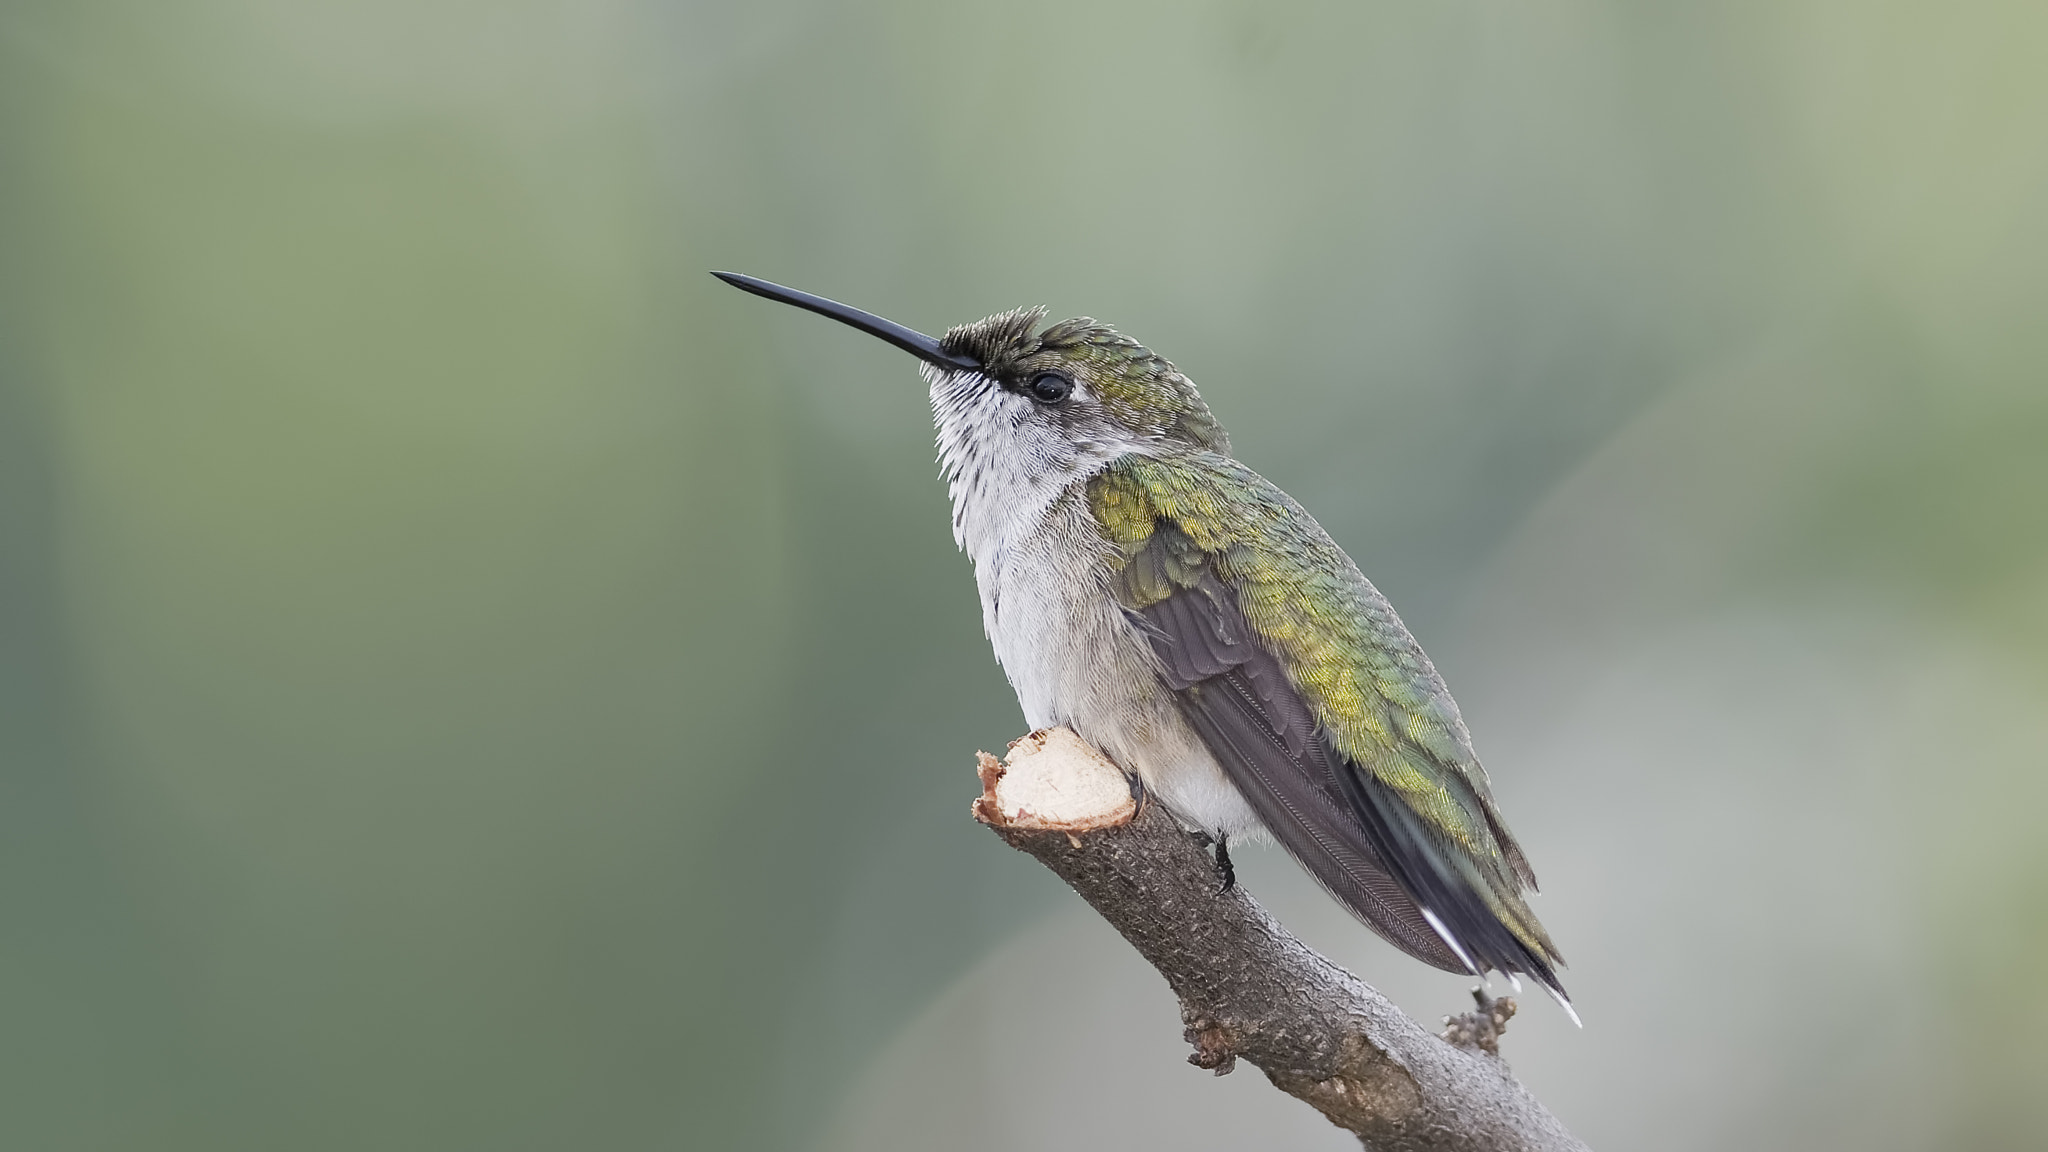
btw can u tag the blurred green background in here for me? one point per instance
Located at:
(470, 680)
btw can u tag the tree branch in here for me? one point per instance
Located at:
(1247, 987)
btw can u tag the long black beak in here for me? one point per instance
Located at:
(916, 343)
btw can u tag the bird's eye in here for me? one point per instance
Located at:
(1050, 387)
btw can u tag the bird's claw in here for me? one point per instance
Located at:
(1224, 868)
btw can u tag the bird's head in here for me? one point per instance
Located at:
(1076, 383)
(1062, 399)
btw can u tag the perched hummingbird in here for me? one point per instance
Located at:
(1193, 622)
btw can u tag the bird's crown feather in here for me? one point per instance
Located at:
(1140, 389)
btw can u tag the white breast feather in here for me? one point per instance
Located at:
(1020, 512)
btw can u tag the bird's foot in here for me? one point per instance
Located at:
(1138, 793)
(1225, 870)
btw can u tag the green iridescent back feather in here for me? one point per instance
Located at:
(1368, 683)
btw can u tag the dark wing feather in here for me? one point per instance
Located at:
(1236, 697)
(1353, 833)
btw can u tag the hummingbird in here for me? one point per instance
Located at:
(1184, 615)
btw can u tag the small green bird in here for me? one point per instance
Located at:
(1196, 624)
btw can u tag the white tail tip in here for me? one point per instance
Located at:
(1451, 940)
(1566, 1005)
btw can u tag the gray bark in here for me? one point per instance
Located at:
(1248, 988)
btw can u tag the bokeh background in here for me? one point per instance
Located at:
(468, 680)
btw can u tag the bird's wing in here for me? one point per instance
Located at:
(1322, 709)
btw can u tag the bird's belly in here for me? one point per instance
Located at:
(1076, 659)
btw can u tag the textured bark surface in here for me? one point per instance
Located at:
(1248, 988)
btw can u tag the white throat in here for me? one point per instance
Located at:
(1003, 468)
